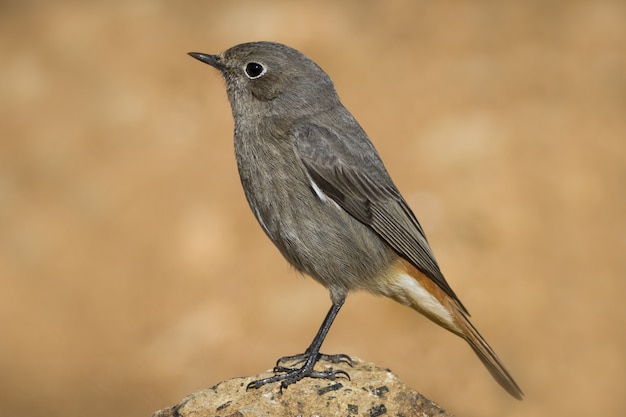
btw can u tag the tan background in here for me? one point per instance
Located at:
(132, 271)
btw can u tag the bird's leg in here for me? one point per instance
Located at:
(288, 376)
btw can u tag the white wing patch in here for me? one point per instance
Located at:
(321, 195)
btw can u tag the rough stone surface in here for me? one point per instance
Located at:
(372, 391)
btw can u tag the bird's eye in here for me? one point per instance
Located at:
(254, 70)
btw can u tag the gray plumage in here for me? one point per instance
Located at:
(291, 131)
(321, 193)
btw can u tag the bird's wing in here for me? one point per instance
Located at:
(353, 176)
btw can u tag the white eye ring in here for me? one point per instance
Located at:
(254, 70)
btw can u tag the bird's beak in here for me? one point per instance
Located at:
(213, 60)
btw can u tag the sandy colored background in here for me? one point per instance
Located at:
(132, 271)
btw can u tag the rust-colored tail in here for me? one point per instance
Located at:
(487, 356)
(411, 287)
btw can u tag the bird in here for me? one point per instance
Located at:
(321, 193)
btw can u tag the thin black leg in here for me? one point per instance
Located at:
(288, 376)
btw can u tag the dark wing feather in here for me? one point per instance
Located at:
(354, 177)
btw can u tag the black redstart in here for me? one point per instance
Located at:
(322, 194)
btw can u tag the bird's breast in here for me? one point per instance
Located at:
(310, 229)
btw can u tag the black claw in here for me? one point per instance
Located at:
(302, 357)
(338, 358)
(287, 375)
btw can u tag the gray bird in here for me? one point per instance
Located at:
(321, 193)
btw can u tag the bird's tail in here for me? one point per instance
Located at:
(486, 355)
(409, 286)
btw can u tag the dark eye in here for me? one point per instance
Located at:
(254, 70)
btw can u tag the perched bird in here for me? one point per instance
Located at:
(321, 193)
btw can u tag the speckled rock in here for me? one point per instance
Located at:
(372, 391)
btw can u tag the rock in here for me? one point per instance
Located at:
(372, 391)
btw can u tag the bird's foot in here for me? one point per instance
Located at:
(287, 375)
(303, 357)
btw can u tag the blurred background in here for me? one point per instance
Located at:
(132, 271)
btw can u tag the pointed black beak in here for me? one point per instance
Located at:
(213, 60)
